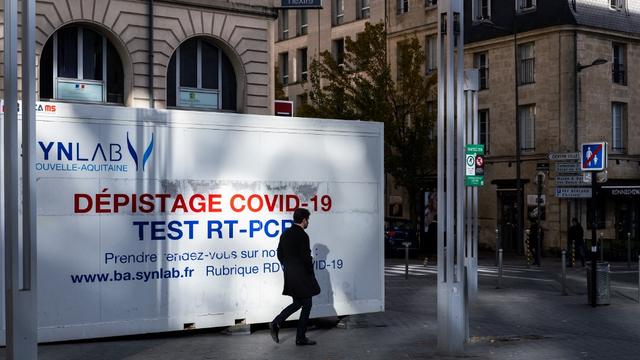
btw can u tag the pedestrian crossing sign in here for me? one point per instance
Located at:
(593, 156)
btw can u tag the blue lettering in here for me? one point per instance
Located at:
(157, 230)
(45, 149)
(266, 228)
(114, 149)
(67, 152)
(174, 232)
(78, 153)
(140, 225)
(254, 226)
(99, 147)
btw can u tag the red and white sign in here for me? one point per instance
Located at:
(283, 108)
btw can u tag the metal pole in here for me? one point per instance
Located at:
(638, 279)
(519, 238)
(594, 246)
(406, 260)
(20, 271)
(564, 272)
(499, 269)
(601, 244)
(12, 275)
(628, 250)
(498, 245)
(451, 277)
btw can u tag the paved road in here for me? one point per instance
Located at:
(526, 319)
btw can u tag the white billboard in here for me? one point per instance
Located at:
(153, 220)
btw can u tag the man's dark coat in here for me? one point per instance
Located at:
(295, 255)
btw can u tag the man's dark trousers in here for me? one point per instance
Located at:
(298, 302)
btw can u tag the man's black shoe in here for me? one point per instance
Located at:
(305, 341)
(273, 328)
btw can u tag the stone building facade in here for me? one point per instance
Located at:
(100, 52)
(301, 35)
(562, 48)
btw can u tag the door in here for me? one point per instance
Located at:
(508, 221)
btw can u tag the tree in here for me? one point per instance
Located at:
(362, 88)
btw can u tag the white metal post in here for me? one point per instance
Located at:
(451, 196)
(20, 271)
(471, 96)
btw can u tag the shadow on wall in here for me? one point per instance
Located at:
(325, 299)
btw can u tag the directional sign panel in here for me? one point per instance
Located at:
(593, 156)
(573, 192)
(568, 167)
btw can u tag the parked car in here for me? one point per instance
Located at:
(396, 232)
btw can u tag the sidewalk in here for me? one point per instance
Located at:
(526, 319)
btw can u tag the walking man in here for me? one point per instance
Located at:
(300, 281)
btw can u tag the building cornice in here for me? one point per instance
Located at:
(508, 39)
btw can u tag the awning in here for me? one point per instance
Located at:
(621, 187)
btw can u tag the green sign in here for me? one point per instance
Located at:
(474, 165)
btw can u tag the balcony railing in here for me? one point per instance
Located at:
(619, 74)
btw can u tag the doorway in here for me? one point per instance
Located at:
(508, 221)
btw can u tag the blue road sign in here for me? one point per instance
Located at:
(593, 156)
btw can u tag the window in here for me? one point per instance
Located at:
(431, 56)
(526, 63)
(80, 64)
(430, 3)
(619, 126)
(619, 64)
(338, 51)
(481, 10)
(483, 134)
(201, 76)
(302, 61)
(364, 9)
(338, 12)
(527, 119)
(616, 4)
(481, 62)
(303, 22)
(525, 5)
(283, 60)
(283, 25)
(403, 6)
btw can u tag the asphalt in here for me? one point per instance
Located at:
(527, 318)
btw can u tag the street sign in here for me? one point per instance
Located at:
(572, 180)
(301, 4)
(542, 166)
(573, 192)
(568, 167)
(283, 108)
(474, 165)
(594, 156)
(564, 156)
(533, 200)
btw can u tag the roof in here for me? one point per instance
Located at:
(598, 13)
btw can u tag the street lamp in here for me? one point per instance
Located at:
(514, 29)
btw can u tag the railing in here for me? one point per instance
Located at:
(619, 74)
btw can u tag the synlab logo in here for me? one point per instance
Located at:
(134, 153)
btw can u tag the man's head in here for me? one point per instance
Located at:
(574, 221)
(301, 217)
